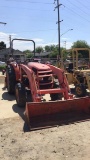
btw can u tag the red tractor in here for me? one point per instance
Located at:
(31, 81)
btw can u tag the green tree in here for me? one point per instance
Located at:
(28, 53)
(39, 49)
(81, 44)
(2, 45)
(47, 48)
(54, 52)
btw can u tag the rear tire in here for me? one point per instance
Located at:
(10, 79)
(20, 94)
(80, 90)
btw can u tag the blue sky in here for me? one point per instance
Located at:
(36, 19)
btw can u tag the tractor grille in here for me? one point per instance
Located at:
(45, 79)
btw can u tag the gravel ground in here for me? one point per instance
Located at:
(64, 142)
(67, 142)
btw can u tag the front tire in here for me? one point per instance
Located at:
(20, 94)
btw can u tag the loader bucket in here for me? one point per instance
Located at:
(48, 112)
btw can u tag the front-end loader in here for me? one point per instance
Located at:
(34, 81)
(38, 80)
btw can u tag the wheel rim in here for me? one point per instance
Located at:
(78, 91)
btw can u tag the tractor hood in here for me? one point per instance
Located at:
(38, 66)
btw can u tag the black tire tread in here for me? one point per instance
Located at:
(10, 74)
(22, 95)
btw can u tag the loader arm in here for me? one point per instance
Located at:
(62, 79)
(32, 83)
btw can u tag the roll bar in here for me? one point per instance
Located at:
(16, 39)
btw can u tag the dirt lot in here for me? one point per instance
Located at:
(64, 142)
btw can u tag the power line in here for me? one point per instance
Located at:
(32, 19)
(78, 14)
(35, 31)
(83, 4)
(25, 8)
(72, 19)
(77, 7)
(29, 1)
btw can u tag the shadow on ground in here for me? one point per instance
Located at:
(7, 96)
(20, 112)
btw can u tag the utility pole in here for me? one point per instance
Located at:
(10, 41)
(11, 49)
(58, 22)
(58, 27)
